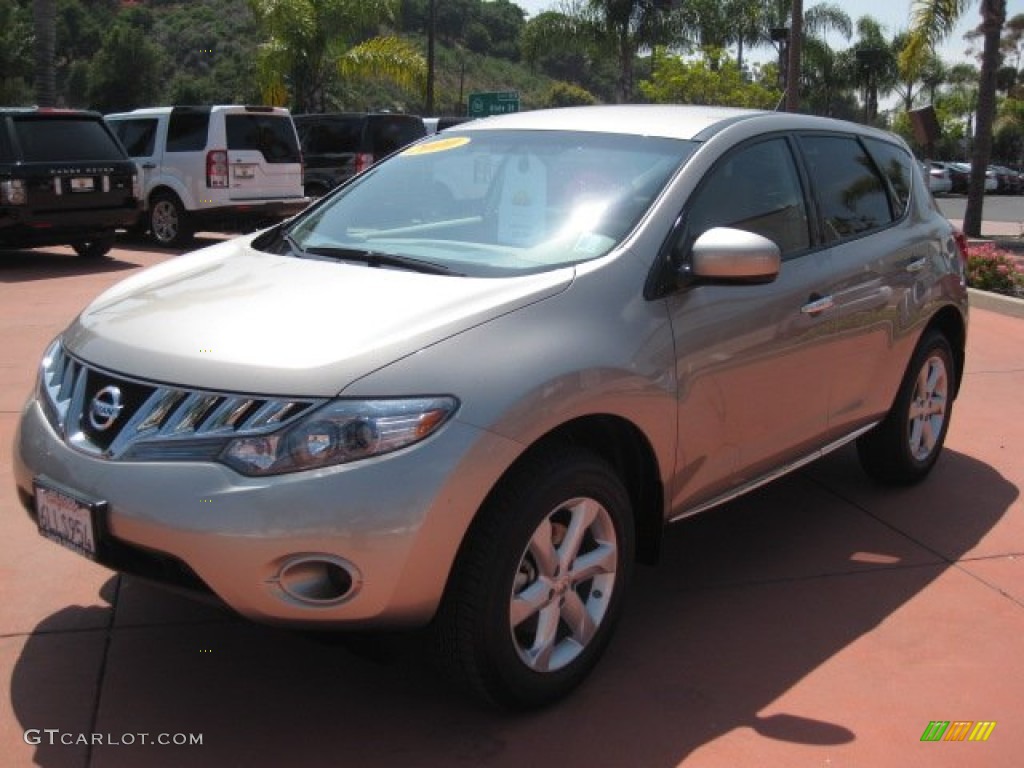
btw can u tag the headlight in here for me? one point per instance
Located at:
(341, 431)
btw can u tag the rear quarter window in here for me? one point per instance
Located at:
(852, 197)
(898, 167)
(137, 136)
(187, 130)
(272, 135)
(62, 139)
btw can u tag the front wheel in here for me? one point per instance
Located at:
(905, 446)
(538, 585)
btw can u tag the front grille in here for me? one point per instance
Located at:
(117, 417)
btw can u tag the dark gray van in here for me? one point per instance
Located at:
(336, 146)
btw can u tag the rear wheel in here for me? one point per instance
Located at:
(539, 583)
(903, 448)
(95, 248)
(168, 221)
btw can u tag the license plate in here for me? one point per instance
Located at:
(67, 520)
(82, 184)
(245, 172)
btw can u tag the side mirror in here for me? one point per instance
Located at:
(734, 255)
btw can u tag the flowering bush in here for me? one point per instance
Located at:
(993, 269)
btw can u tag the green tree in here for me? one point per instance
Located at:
(677, 81)
(15, 54)
(125, 73)
(615, 29)
(568, 95)
(933, 21)
(44, 17)
(308, 41)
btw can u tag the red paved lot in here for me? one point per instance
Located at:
(819, 622)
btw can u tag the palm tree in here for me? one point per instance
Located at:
(307, 40)
(44, 17)
(617, 28)
(814, 22)
(932, 21)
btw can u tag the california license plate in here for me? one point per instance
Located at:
(68, 520)
(82, 184)
(245, 172)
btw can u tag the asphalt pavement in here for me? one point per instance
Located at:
(821, 621)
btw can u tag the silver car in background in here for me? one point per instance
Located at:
(468, 389)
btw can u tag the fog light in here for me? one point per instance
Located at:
(319, 580)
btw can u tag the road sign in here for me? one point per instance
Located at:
(493, 103)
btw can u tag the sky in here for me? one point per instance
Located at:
(894, 15)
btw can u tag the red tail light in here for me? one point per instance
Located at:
(363, 161)
(961, 243)
(217, 169)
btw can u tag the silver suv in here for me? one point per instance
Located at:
(469, 389)
(222, 167)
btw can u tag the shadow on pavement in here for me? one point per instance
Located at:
(23, 266)
(747, 601)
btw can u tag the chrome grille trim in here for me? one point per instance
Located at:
(172, 423)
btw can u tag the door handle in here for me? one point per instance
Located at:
(149, 166)
(917, 265)
(817, 304)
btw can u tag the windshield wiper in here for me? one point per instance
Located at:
(375, 258)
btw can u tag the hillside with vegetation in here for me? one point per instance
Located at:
(115, 55)
(315, 55)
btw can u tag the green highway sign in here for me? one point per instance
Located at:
(493, 103)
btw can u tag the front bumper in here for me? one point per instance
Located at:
(397, 520)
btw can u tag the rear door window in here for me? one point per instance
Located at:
(851, 194)
(327, 136)
(272, 135)
(60, 139)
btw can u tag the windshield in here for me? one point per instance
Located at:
(498, 202)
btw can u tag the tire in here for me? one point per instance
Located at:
(96, 248)
(903, 448)
(168, 221)
(530, 606)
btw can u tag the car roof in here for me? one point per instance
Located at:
(685, 122)
(145, 111)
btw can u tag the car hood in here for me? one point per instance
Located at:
(232, 318)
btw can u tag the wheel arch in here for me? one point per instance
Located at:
(951, 323)
(169, 189)
(624, 447)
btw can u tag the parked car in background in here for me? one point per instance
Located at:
(472, 410)
(64, 180)
(960, 173)
(338, 145)
(1008, 181)
(223, 167)
(939, 180)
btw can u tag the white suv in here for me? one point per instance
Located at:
(219, 167)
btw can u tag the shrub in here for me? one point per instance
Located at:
(990, 268)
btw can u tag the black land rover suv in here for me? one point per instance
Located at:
(338, 145)
(64, 180)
